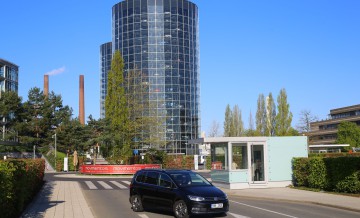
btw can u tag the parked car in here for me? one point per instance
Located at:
(182, 191)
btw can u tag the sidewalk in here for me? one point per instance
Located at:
(59, 199)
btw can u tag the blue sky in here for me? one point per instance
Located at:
(310, 48)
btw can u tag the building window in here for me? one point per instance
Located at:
(219, 157)
(239, 156)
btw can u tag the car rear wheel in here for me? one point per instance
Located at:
(180, 209)
(136, 204)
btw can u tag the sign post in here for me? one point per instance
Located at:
(196, 161)
(66, 167)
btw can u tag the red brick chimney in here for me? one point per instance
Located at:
(46, 85)
(81, 100)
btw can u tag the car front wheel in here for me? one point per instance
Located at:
(136, 204)
(180, 209)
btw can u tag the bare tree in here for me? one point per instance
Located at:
(306, 117)
(214, 129)
(251, 130)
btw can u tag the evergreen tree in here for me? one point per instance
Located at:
(261, 115)
(270, 116)
(284, 116)
(11, 111)
(116, 108)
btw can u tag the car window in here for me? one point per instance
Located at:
(151, 178)
(189, 179)
(165, 181)
(140, 177)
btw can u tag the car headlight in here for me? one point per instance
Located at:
(196, 198)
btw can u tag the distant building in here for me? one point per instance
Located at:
(9, 74)
(105, 66)
(160, 39)
(9, 80)
(325, 131)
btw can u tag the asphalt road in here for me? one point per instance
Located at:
(109, 197)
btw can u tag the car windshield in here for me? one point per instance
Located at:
(189, 179)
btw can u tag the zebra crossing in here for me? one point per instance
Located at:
(105, 185)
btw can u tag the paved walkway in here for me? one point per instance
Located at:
(59, 199)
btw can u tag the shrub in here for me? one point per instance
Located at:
(317, 173)
(20, 180)
(300, 171)
(351, 184)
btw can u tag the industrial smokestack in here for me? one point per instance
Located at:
(46, 85)
(81, 100)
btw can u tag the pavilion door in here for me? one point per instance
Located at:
(257, 163)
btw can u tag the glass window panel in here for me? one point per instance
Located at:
(239, 156)
(137, 26)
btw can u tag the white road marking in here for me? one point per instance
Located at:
(118, 185)
(143, 216)
(237, 215)
(103, 184)
(90, 185)
(126, 182)
(259, 208)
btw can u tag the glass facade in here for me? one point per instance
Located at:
(8, 76)
(160, 39)
(105, 66)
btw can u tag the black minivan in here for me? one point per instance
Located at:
(182, 191)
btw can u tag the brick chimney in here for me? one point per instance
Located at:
(46, 85)
(81, 100)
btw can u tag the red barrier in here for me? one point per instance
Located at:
(116, 169)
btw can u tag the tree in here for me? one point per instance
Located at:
(261, 115)
(306, 118)
(251, 131)
(348, 133)
(41, 116)
(116, 108)
(228, 123)
(214, 129)
(10, 114)
(284, 116)
(145, 119)
(238, 125)
(270, 116)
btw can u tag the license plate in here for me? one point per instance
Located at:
(220, 205)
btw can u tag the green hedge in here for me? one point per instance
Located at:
(20, 180)
(339, 174)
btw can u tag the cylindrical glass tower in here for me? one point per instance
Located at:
(105, 66)
(160, 38)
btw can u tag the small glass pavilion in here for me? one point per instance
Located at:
(253, 162)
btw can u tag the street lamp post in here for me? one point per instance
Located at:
(54, 136)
